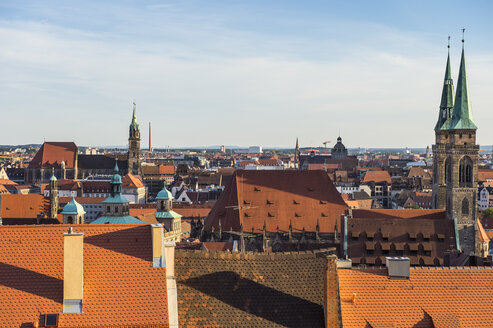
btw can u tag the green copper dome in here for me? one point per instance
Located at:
(164, 194)
(73, 208)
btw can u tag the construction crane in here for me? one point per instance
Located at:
(325, 144)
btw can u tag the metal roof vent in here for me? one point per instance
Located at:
(398, 267)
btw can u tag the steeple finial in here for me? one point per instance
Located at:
(134, 115)
(116, 169)
(463, 31)
(448, 45)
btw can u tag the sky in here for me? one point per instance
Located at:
(238, 72)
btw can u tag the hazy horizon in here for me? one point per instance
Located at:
(245, 73)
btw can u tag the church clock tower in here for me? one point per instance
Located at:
(134, 146)
(455, 158)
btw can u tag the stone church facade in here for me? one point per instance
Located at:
(455, 158)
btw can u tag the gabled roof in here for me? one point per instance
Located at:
(51, 154)
(278, 198)
(131, 181)
(18, 206)
(377, 176)
(441, 297)
(121, 288)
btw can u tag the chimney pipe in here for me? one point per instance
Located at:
(73, 277)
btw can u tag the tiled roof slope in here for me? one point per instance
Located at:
(121, 288)
(278, 198)
(51, 154)
(443, 297)
(131, 181)
(377, 176)
(18, 206)
(402, 214)
(223, 289)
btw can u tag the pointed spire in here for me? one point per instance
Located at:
(134, 126)
(462, 113)
(116, 169)
(447, 102)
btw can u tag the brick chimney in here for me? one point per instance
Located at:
(158, 259)
(73, 277)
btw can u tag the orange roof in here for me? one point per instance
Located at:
(485, 174)
(141, 211)
(443, 297)
(18, 206)
(51, 154)
(278, 198)
(483, 236)
(3, 190)
(7, 182)
(193, 212)
(121, 288)
(377, 176)
(403, 214)
(131, 181)
(167, 169)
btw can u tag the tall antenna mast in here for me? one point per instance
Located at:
(150, 144)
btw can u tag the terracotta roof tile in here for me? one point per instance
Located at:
(121, 288)
(18, 206)
(131, 181)
(278, 198)
(51, 154)
(403, 214)
(377, 176)
(432, 297)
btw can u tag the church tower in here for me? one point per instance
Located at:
(134, 146)
(455, 159)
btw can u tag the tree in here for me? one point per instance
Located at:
(488, 213)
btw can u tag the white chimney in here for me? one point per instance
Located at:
(398, 267)
(158, 259)
(73, 277)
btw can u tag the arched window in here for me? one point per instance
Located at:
(465, 206)
(465, 172)
(448, 171)
(70, 220)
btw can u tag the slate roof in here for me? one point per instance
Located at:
(278, 198)
(121, 288)
(51, 154)
(442, 297)
(101, 162)
(224, 289)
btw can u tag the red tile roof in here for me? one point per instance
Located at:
(131, 181)
(403, 214)
(51, 154)
(18, 206)
(278, 198)
(442, 297)
(485, 175)
(81, 200)
(121, 288)
(377, 176)
(7, 182)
